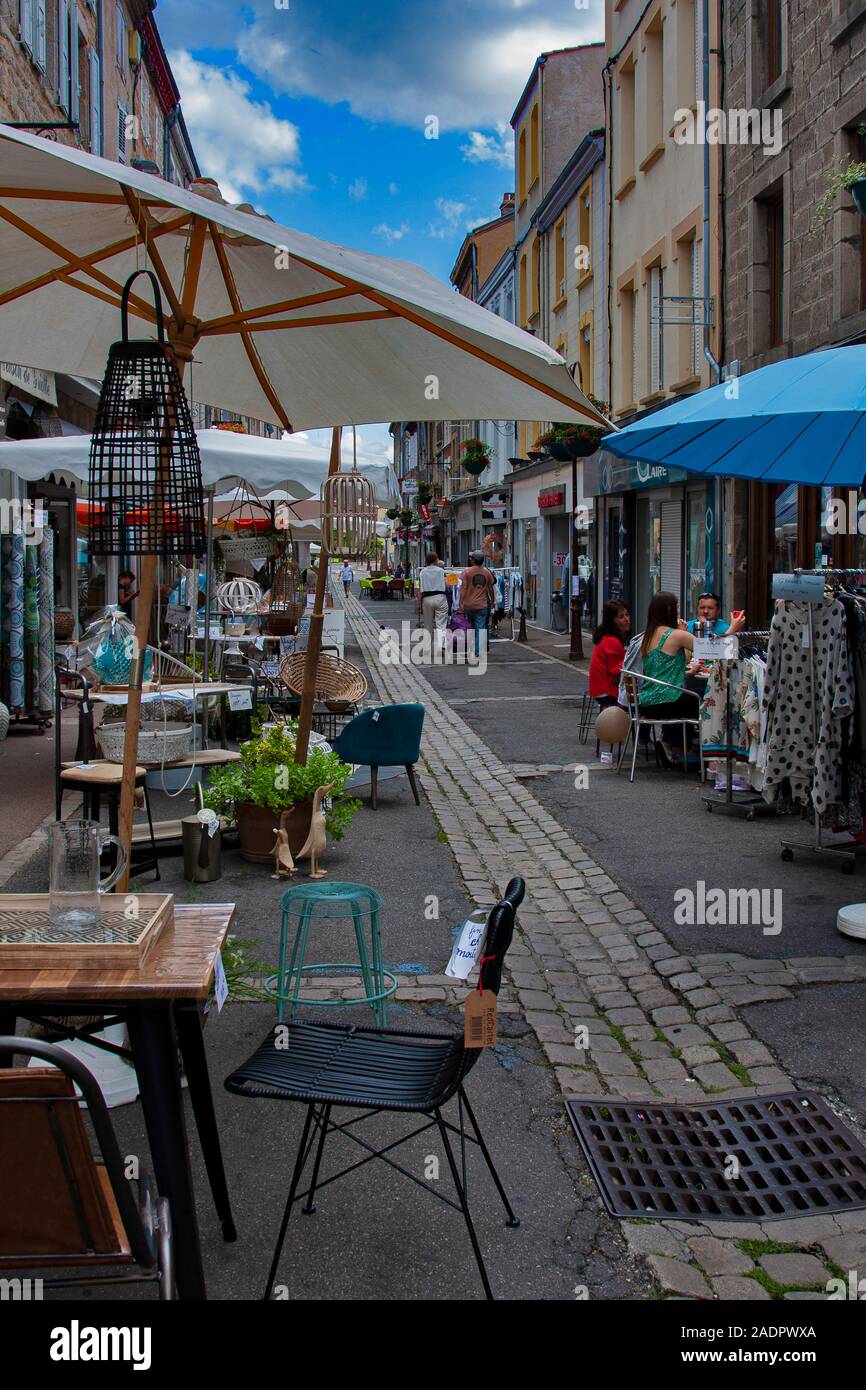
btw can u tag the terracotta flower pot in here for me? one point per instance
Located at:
(256, 826)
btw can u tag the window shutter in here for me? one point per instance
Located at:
(634, 391)
(74, 75)
(699, 50)
(122, 114)
(26, 22)
(40, 51)
(698, 308)
(95, 102)
(655, 328)
(63, 54)
(672, 547)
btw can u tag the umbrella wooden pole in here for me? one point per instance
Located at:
(314, 640)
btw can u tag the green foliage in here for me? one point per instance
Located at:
(268, 776)
(840, 175)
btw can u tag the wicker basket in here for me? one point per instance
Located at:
(336, 679)
(64, 624)
(256, 547)
(158, 742)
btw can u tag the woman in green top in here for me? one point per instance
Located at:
(664, 651)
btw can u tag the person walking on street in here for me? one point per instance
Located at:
(432, 602)
(347, 574)
(476, 597)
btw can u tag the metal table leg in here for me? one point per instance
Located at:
(189, 1032)
(154, 1049)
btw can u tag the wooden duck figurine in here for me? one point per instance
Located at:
(283, 861)
(314, 845)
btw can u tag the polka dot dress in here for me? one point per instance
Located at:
(804, 735)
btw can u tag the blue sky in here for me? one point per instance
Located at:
(315, 110)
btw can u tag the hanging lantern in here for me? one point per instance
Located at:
(349, 513)
(288, 598)
(240, 597)
(145, 470)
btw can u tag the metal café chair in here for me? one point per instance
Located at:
(329, 1067)
(640, 721)
(63, 1209)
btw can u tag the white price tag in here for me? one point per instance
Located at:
(178, 616)
(240, 699)
(220, 983)
(722, 648)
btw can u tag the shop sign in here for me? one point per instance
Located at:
(546, 500)
(494, 511)
(33, 380)
(623, 475)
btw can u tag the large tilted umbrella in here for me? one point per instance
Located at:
(271, 323)
(802, 420)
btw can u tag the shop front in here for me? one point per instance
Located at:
(545, 520)
(657, 532)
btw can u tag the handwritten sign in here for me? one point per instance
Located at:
(240, 699)
(720, 648)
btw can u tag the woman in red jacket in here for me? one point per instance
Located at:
(607, 653)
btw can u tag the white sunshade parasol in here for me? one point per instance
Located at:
(278, 325)
(296, 465)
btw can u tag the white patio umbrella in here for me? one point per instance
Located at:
(275, 324)
(295, 465)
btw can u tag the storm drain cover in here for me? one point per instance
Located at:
(769, 1157)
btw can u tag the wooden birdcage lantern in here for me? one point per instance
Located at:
(348, 514)
(144, 477)
(288, 598)
(241, 598)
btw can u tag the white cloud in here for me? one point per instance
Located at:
(358, 189)
(491, 149)
(238, 141)
(391, 234)
(464, 63)
(451, 214)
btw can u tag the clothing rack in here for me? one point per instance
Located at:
(748, 803)
(845, 853)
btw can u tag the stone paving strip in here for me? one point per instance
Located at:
(616, 1008)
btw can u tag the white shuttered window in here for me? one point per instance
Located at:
(95, 102)
(63, 54)
(27, 22)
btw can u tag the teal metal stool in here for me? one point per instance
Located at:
(309, 902)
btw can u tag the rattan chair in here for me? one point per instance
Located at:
(343, 1067)
(337, 680)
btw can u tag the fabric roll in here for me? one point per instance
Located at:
(13, 617)
(31, 626)
(45, 700)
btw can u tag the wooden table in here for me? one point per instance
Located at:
(161, 1005)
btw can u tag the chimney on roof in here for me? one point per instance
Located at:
(507, 205)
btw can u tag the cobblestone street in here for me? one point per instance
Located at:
(660, 1023)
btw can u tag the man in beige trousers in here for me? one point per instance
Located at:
(433, 602)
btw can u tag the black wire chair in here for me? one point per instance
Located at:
(328, 1066)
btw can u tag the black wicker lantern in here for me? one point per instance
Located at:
(145, 470)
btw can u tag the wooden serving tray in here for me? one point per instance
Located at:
(29, 942)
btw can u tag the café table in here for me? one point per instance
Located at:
(162, 1005)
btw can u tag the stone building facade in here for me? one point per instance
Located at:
(791, 286)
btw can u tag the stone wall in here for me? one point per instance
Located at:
(821, 97)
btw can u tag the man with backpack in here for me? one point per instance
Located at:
(476, 597)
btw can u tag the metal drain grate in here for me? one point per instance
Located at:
(793, 1156)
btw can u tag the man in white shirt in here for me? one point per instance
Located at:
(434, 604)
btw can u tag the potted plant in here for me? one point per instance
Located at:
(579, 441)
(266, 790)
(425, 493)
(476, 456)
(843, 175)
(406, 516)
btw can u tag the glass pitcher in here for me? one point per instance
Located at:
(74, 885)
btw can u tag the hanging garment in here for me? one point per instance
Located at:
(13, 618)
(745, 716)
(45, 699)
(805, 729)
